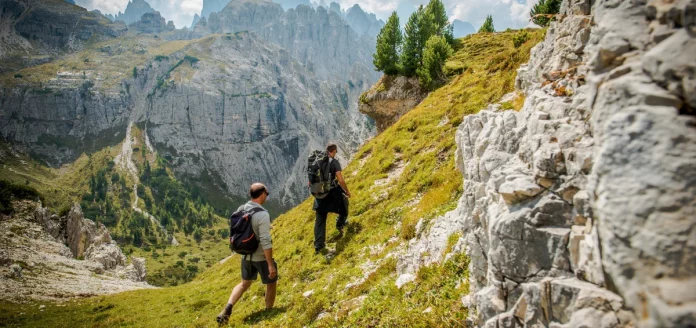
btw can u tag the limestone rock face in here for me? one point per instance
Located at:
(109, 255)
(644, 177)
(83, 233)
(391, 98)
(35, 262)
(578, 211)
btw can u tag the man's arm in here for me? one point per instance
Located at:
(266, 242)
(342, 183)
(272, 271)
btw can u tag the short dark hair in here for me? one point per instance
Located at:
(256, 191)
(331, 147)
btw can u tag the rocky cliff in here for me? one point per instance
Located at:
(35, 32)
(46, 257)
(390, 98)
(578, 210)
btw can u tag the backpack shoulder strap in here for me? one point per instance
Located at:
(255, 210)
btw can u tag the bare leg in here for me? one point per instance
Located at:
(270, 295)
(238, 291)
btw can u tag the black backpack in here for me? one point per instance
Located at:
(242, 238)
(318, 173)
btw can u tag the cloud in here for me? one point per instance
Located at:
(105, 6)
(506, 13)
(181, 12)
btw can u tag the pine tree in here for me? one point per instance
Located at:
(542, 9)
(436, 52)
(386, 58)
(487, 25)
(412, 48)
(440, 21)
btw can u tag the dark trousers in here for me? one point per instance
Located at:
(320, 227)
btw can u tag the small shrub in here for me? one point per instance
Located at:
(408, 231)
(160, 58)
(191, 59)
(10, 191)
(519, 39)
(363, 98)
(182, 254)
(18, 76)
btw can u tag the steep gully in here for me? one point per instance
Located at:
(125, 161)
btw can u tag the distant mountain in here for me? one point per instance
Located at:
(462, 29)
(195, 21)
(70, 1)
(212, 6)
(291, 4)
(336, 8)
(317, 38)
(362, 22)
(134, 11)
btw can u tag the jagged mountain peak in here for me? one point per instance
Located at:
(462, 28)
(134, 11)
(362, 22)
(290, 4)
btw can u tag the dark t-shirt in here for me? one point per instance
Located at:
(334, 166)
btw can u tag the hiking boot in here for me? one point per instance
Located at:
(322, 251)
(224, 316)
(340, 232)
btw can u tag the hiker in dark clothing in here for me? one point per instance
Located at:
(261, 261)
(335, 202)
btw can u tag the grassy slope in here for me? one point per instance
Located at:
(423, 142)
(112, 60)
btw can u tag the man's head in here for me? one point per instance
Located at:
(258, 193)
(332, 149)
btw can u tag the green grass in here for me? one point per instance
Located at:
(422, 142)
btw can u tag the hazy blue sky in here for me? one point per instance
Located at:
(506, 13)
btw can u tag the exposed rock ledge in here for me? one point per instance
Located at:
(36, 263)
(390, 98)
(578, 211)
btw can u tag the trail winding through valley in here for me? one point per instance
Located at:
(125, 161)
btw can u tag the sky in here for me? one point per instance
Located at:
(506, 13)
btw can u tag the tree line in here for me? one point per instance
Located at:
(422, 48)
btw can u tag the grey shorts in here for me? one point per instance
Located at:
(251, 269)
